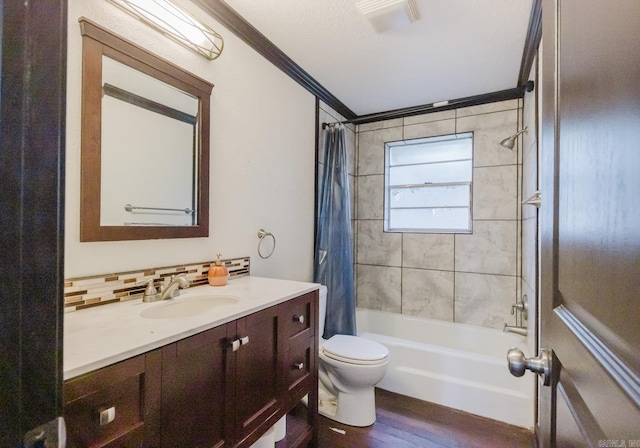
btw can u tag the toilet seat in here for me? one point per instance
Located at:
(355, 350)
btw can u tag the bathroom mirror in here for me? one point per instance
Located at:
(145, 143)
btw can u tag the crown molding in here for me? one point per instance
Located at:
(230, 18)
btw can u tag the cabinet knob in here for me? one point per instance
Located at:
(244, 340)
(235, 345)
(299, 365)
(106, 416)
(299, 318)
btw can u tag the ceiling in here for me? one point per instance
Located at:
(457, 49)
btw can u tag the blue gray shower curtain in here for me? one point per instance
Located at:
(334, 244)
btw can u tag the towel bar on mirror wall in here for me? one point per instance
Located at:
(131, 208)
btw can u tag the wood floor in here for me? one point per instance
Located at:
(404, 422)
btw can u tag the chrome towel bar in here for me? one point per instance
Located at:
(130, 208)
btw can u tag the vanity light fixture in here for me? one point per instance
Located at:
(175, 23)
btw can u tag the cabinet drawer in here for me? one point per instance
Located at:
(298, 369)
(115, 392)
(299, 317)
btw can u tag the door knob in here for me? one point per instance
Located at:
(541, 365)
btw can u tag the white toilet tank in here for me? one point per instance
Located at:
(322, 312)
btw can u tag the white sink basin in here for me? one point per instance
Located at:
(187, 307)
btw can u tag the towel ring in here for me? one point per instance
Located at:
(262, 234)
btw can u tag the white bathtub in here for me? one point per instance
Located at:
(455, 365)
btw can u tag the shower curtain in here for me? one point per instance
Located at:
(334, 244)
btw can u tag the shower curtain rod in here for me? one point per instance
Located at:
(325, 124)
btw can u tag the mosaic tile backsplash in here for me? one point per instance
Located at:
(97, 290)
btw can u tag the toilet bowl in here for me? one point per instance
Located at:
(348, 371)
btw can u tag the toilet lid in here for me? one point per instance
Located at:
(354, 349)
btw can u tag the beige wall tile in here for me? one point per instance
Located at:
(488, 131)
(495, 192)
(529, 242)
(529, 296)
(491, 249)
(350, 146)
(519, 194)
(428, 251)
(332, 114)
(434, 116)
(484, 300)
(375, 247)
(529, 138)
(380, 125)
(370, 201)
(353, 195)
(379, 288)
(354, 232)
(427, 293)
(487, 108)
(434, 264)
(529, 182)
(432, 129)
(371, 149)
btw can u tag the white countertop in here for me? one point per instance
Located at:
(103, 335)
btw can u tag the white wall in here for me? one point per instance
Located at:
(262, 158)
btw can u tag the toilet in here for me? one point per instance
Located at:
(349, 369)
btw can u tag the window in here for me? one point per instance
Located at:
(428, 184)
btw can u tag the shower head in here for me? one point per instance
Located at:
(510, 142)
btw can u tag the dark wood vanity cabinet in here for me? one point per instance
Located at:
(273, 370)
(115, 407)
(223, 387)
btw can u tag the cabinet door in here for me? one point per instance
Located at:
(256, 372)
(193, 391)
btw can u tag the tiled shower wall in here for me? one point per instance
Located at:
(529, 213)
(466, 278)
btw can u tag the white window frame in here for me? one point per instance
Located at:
(387, 188)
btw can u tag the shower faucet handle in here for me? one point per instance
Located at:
(521, 306)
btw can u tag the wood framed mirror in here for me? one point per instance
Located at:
(145, 143)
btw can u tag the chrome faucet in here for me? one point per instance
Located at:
(171, 289)
(522, 331)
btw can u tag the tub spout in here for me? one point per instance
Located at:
(522, 331)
